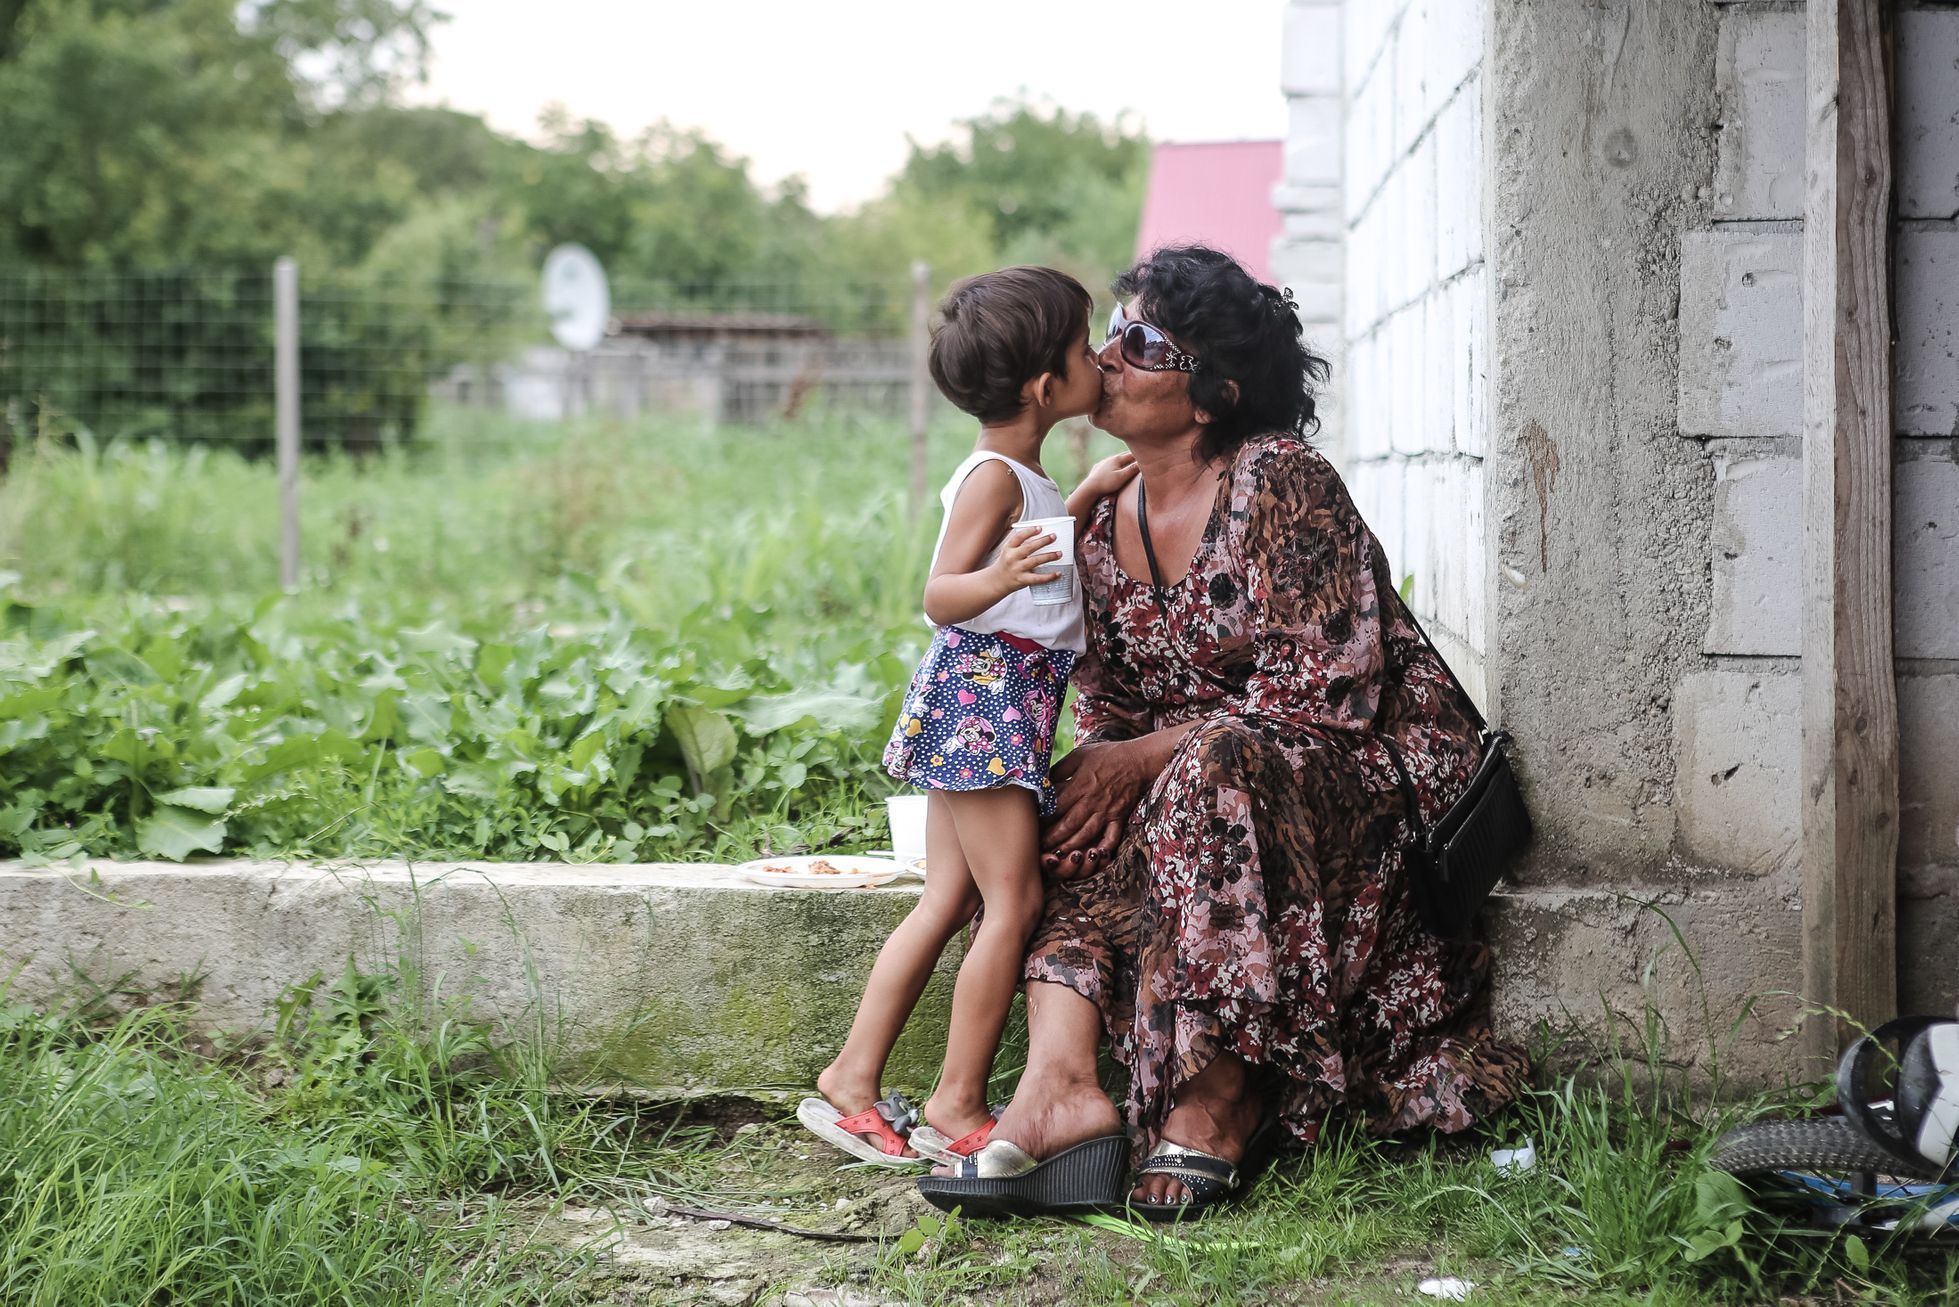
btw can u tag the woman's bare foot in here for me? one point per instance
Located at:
(1215, 1113)
(1047, 1116)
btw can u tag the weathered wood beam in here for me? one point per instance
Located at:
(1849, 696)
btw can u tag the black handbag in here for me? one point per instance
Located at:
(1453, 865)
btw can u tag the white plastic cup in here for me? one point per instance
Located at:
(1063, 531)
(1062, 588)
(906, 813)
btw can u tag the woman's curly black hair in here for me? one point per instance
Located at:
(1241, 330)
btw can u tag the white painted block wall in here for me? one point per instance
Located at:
(1417, 304)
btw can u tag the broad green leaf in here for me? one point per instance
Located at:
(28, 702)
(707, 740)
(176, 833)
(384, 722)
(585, 748)
(492, 661)
(423, 761)
(222, 693)
(833, 710)
(208, 798)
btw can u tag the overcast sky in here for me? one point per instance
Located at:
(831, 90)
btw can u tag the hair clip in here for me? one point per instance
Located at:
(1285, 293)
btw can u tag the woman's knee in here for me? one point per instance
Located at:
(1223, 751)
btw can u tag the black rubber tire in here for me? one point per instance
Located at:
(1825, 1143)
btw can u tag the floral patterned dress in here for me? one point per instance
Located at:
(1258, 903)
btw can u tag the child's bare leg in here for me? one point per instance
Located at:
(999, 833)
(855, 1080)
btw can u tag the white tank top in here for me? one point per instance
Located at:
(1057, 626)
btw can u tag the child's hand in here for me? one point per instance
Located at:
(1018, 565)
(1108, 476)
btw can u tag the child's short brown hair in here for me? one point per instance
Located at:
(1002, 329)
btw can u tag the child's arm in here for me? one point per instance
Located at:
(1104, 479)
(963, 585)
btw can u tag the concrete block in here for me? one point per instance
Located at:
(656, 976)
(1418, 233)
(1738, 747)
(1440, 355)
(1741, 333)
(1760, 76)
(1758, 556)
(1928, 922)
(1469, 309)
(1364, 27)
(1579, 962)
(1320, 309)
(1757, 544)
(1367, 410)
(1309, 62)
(1392, 268)
(1369, 141)
(1363, 273)
(1928, 113)
(1408, 383)
(1313, 140)
(1928, 770)
(1411, 102)
(1376, 488)
(1417, 511)
(1459, 182)
(1311, 262)
(1457, 33)
(1925, 557)
(1925, 378)
(1446, 531)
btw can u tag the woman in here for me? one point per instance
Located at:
(1228, 901)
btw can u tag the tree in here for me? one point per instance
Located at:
(1053, 186)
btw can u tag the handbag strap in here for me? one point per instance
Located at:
(1143, 529)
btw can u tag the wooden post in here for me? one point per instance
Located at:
(921, 376)
(1849, 696)
(285, 406)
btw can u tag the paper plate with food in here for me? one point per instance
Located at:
(821, 871)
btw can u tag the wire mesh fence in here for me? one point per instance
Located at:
(188, 355)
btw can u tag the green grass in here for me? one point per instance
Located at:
(596, 643)
(373, 1148)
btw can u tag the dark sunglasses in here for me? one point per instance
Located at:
(1145, 347)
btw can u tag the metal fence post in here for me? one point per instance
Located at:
(921, 376)
(285, 402)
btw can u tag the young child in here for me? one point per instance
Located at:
(978, 722)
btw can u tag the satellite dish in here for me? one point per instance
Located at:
(576, 298)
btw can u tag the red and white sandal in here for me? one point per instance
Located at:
(891, 1119)
(928, 1142)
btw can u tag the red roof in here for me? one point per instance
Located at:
(1218, 194)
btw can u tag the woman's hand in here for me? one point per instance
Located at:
(1098, 785)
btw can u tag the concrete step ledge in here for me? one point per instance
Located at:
(674, 977)
(685, 978)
